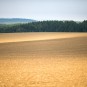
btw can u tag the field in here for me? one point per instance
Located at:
(43, 60)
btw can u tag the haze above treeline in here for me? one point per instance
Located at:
(24, 20)
(13, 25)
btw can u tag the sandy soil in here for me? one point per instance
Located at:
(60, 60)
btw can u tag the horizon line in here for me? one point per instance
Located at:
(41, 19)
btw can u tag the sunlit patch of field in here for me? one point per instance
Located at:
(56, 61)
(17, 37)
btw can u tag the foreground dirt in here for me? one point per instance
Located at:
(44, 63)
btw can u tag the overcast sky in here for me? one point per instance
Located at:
(44, 9)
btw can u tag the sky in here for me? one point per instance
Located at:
(44, 9)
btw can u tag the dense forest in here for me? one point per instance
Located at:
(45, 26)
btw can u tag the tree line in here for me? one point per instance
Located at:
(45, 26)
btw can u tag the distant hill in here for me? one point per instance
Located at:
(14, 20)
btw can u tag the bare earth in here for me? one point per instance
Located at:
(43, 60)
